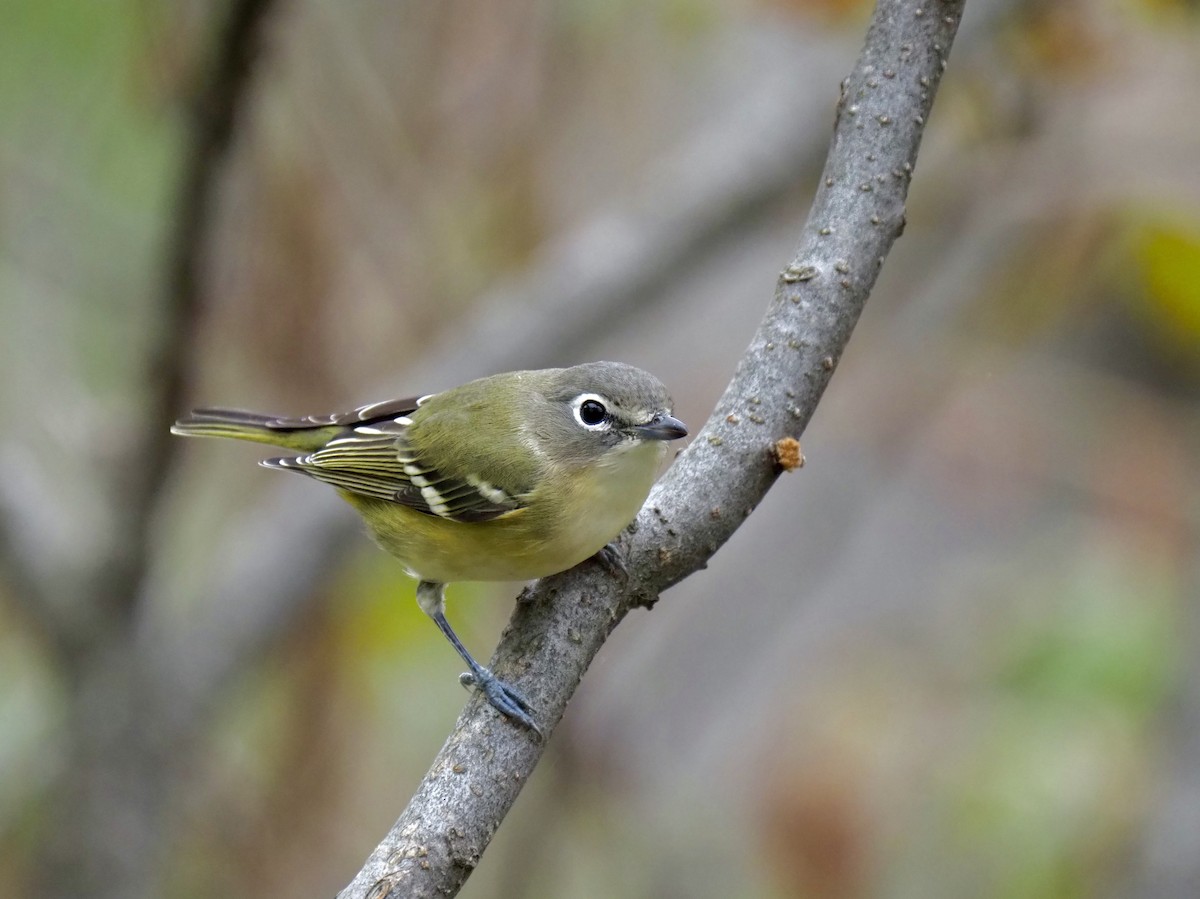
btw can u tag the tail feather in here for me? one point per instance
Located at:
(252, 426)
(230, 415)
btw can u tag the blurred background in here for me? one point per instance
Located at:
(956, 654)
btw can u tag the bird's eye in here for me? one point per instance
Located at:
(592, 413)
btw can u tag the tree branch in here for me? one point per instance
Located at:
(857, 214)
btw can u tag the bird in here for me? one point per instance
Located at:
(510, 477)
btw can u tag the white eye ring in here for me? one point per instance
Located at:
(591, 400)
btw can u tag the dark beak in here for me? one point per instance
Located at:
(661, 427)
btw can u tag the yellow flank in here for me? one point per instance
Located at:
(516, 546)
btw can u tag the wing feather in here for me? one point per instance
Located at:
(374, 458)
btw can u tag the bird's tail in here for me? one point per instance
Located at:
(253, 426)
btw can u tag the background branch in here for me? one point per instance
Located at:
(222, 92)
(857, 214)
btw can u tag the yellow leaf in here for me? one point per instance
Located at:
(1169, 257)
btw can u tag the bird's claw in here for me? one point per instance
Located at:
(504, 698)
(613, 560)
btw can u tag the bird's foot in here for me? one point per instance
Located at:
(504, 698)
(613, 560)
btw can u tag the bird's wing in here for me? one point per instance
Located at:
(374, 457)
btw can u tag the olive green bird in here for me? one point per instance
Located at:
(511, 477)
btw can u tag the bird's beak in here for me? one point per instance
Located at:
(661, 427)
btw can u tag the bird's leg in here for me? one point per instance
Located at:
(504, 698)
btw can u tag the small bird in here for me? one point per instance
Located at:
(510, 477)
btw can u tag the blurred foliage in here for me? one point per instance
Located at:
(1012, 766)
(89, 160)
(1056, 777)
(1168, 255)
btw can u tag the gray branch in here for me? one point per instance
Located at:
(857, 214)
